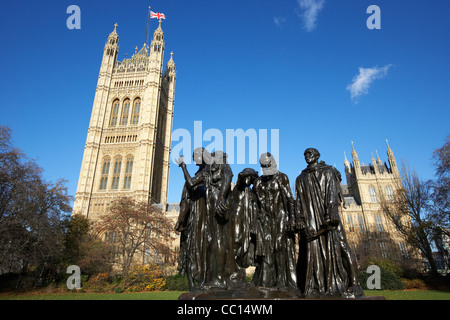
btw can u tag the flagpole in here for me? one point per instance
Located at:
(146, 31)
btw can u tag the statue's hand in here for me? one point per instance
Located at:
(180, 161)
(220, 205)
(179, 226)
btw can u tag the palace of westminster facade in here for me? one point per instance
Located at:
(127, 152)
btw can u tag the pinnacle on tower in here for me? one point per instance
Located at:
(389, 151)
(354, 153)
(158, 32)
(346, 163)
(170, 64)
(114, 34)
(378, 159)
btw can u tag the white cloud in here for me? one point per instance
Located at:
(279, 21)
(364, 79)
(309, 10)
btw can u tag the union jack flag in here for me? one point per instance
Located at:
(157, 15)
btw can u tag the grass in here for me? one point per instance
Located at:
(173, 295)
(410, 294)
(163, 295)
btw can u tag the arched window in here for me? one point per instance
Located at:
(125, 112)
(390, 193)
(105, 173)
(361, 223)
(379, 223)
(136, 111)
(128, 173)
(350, 223)
(114, 113)
(116, 173)
(372, 194)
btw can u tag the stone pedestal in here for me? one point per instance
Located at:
(253, 293)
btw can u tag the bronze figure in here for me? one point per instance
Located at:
(326, 266)
(275, 265)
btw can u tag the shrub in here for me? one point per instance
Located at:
(98, 283)
(177, 283)
(147, 278)
(389, 280)
(387, 265)
(415, 284)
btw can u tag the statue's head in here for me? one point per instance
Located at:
(247, 176)
(312, 155)
(219, 157)
(201, 156)
(268, 164)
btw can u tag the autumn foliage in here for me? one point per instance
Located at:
(138, 233)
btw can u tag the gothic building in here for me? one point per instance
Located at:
(369, 232)
(127, 149)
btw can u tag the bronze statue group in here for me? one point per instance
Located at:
(225, 230)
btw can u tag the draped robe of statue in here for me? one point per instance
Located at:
(276, 259)
(206, 249)
(326, 266)
(218, 179)
(244, 226)
(193, 217)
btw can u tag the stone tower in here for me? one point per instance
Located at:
(127, 149)
(369, 230)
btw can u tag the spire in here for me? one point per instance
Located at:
(171, 62)
(157, 45)
(389, 151)
(391, 158)
(159, 29)
(378, 158)
(346, 163)
(115, 28)
(355, 160)
(354, 154)
(111, 47)
(374, 163)
(170, 73)
(114, 33)
(113, 38)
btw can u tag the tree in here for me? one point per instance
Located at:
(440, 206)
(409, 212)
(135, 230)
(32, 214)
(84, 249)
(440, 189)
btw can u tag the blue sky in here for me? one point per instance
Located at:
(253, 64)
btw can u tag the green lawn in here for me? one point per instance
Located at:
(173, 295)
(165, 295)
(410, 295)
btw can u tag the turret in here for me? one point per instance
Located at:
(355, 158)
(110, 51)
(391, 159)
(157, 47)
(379, 162)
